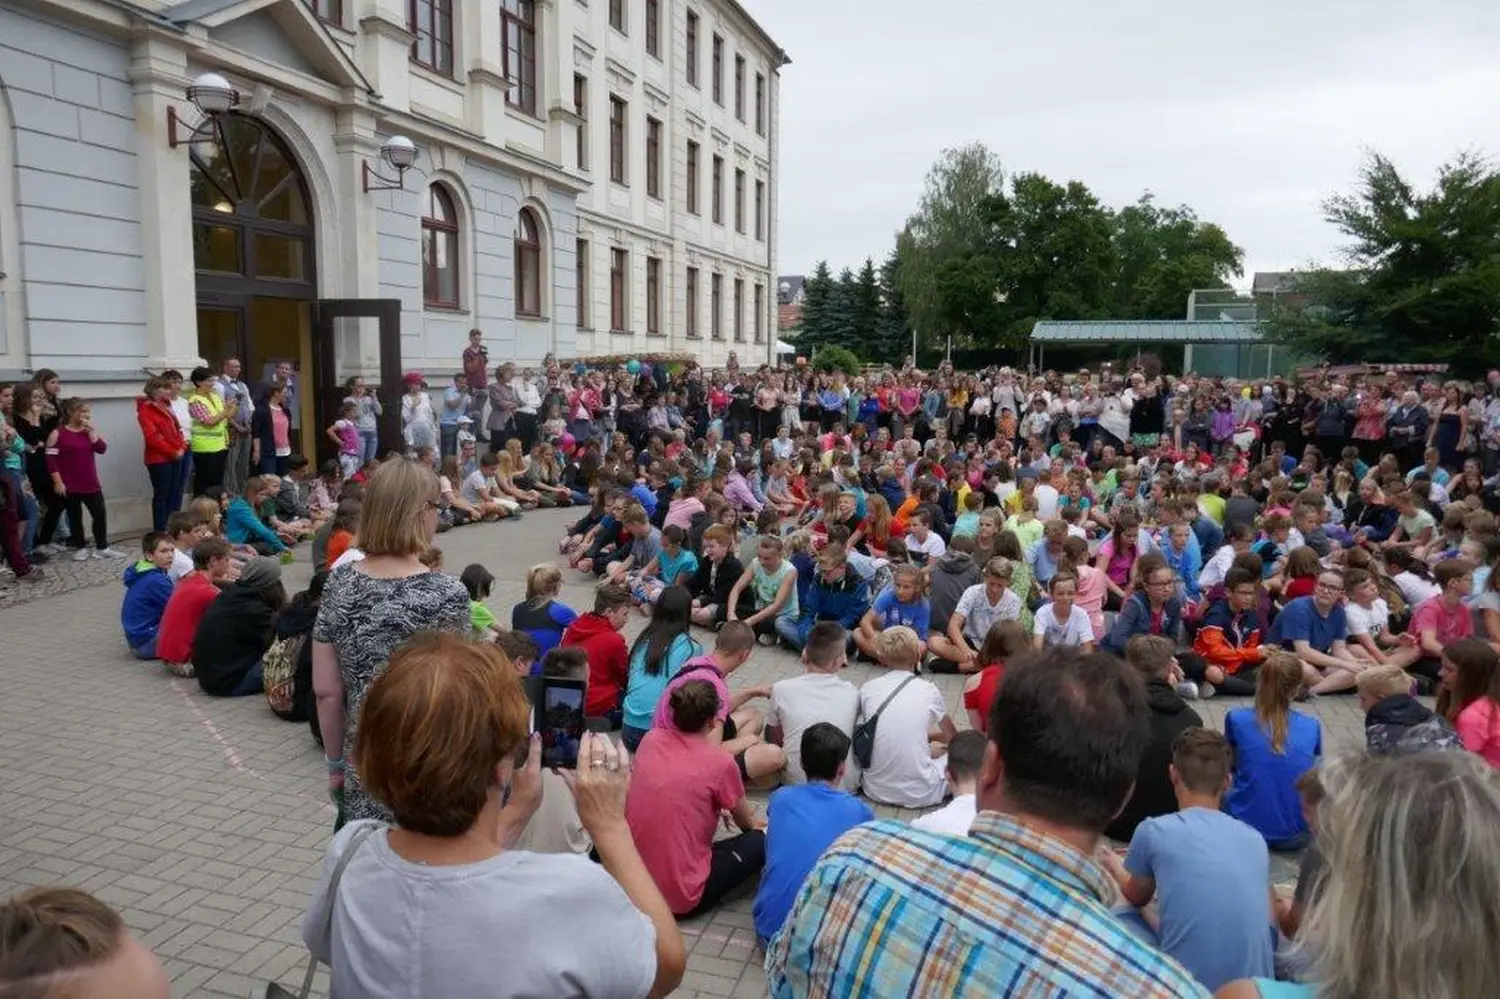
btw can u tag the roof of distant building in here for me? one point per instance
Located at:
(1146, 331)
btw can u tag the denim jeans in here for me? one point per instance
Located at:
(370, 443)
(147, 651)
(26, 509)
(788, 630)
(253, 683)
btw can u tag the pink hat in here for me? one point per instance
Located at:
(414, 378)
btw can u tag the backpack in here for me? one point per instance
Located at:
(863, 740)
(280, 669)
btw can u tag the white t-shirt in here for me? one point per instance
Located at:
(954, 818)
(1372, 621)
(1215, 568)
(351, 554)
(1414, 588)
(902, 771)
(1046, 501)
(980, 615)
(800, 702)
(1074, 631)
(473, 483)
(182, 564)
(933, 547)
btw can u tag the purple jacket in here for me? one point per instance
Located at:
(737, 491)
(1222, 426)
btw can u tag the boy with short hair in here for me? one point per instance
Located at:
(186, 530)
(802, 822)
(922, 542)
(520, 648)
(190, 598)
(148, 587)
(965, 754)
(712, 583)
(645, 545)
(837, 594)
(1396, 723)
(597, 634)
(818, 695)
(909, 758)
(1208, 871)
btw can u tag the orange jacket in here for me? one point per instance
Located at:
(1228, 641)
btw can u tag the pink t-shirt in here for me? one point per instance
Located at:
(678, 786)
(1089, 596)
(1478, 728)
(281, 426)
(1450, 625)
(681, 512)
(697, 668)
(1118, 564)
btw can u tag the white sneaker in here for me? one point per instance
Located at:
(1187, 690)
(108, 553)
(81, 555)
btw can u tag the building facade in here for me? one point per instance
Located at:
(591, 177)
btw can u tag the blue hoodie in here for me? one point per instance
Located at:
(147, 590)
(844, 601)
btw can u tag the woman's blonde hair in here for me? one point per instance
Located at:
(392, 518)
(1276, 687)
(543, 582)
(1410, 901)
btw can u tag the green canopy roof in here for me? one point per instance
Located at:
(1146, 331)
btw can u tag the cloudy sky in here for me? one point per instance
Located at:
(1251, 114)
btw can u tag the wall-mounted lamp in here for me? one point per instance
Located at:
(398, 152)
(212, 95)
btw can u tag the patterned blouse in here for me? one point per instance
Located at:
(365, 619)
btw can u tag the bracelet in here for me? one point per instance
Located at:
(334, 766)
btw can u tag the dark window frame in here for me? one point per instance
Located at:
(522, 21)
(442, 225)
(739, 201)
(760, 313)
(690, 64)
(653, 296)
(653, 158)
(581, 109)
(328, 11)
(760, 104)
(653, 28)
(760, 211)
(528, 290)
(694, 168)
(440, 59)
(718, 70)
(690, 299)
(619, 16)
(739, 87)
(716, 306)
(717, 194)
(619, 156)
(739, 310)
(619, 288)
(581, 280)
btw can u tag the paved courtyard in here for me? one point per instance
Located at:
(204, 821)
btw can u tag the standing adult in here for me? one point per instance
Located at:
(372, 606)
(231, 388)
(1067, 733)
(418, 422)
(367, 413)
(185, 422)
(165, 445)
(455, 407)
(271, 433)
(209, 438)
(528, 402)
(34, 428)
(1407, 428)
(292, 383)
(476, 362)
(503, 405)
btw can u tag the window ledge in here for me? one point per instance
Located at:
(623, 332)
(531, 317)
(443, 307)
(448, 81)
(520, 113)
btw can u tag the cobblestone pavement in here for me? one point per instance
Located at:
(204, 820)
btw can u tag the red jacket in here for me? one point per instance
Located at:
(609, 662)
(160, 431)
(179, 623)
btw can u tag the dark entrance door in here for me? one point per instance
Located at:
(357, 337)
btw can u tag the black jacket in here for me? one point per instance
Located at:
(1153, 793)
(231, 639)
(713, 587)
(297, 619)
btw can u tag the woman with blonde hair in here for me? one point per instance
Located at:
(506, 473)
(441, 903)
(541, 615)
(1410, 895)
(372, 606)
(1273, 746)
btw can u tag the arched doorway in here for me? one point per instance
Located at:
(253, 251)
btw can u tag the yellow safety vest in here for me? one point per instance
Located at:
(205, 439)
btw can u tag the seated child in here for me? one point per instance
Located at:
(966, 524)
(573, 540)
(1154, 658)
(674, 565)
(629, 563)
(520, 650)
(1208, 872)
(597, 633)
(541, 615)
(766, 591)
(190, 598)
(965, 754)
(903, 602)
(802, 822)
(923, 543)
(909, 758)
(555, 827)
(818, 695)
(479, 581)
(1397, 723)
(336, 535)
(1273, 746)
(185, 529)
(1004, 640)
(714, 579)
(148, 587)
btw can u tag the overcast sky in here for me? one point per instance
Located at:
(1250, 113)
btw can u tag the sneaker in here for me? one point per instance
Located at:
(1206, 690)
(1187, 690)
(81, 555)
(108, 553)
(38, 557)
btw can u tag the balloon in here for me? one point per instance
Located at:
(633, 366)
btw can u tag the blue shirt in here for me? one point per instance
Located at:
(1300, 620)
(1043, 564)
(644, 496)
(1211, 873)
(643, 690)
(890, 612)
(669, 567)
(1263, 791)
(807, 818)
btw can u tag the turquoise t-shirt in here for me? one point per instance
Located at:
(643, 689)
(1271, 989)
(670, 567)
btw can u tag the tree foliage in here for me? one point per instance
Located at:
(1423, 282)
(836, 358)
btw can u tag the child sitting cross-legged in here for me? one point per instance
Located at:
(818, 695)
(598, 634)
(190, 598)
(803, 821)
(903, 602)
(908, 760)
(965, 754)
(147, 590)
(674, 565)
(541, 615)
(479, 581)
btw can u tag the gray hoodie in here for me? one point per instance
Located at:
(953, 573)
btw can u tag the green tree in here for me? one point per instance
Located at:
(1165, 253)
(841, 330)
(836, 358)
(864, 305)
(1424, 276)
(892, 339)
(817, 304)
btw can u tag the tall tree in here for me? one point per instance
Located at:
(841, 327)
(892, 338)
(864, 306)
(1165, 253)
(1423, 282)
(817, 295)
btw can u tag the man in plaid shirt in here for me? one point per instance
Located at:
(1019, 907)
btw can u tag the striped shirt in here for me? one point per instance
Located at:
(1005, 911)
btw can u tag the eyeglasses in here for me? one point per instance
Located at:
(1330, 587)
(1160, 582)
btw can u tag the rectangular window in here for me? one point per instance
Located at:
(619, 303)
(653, 295)
(653, 158)
(690, 66)
(760, 210)
(716, 307)
(518, 29)
(718, 71)
(760, 104)
(331, 11)
(617, 15)
(759, 322)
(653, 28)
(718, 190)
(739, 87)
(581, 108)
(690, 299)
(739, 310)
(618, 109)
(431, 25)
(692, 178)
(581, 277)
(739, 201)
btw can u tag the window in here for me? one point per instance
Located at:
(617, 15)
(691, 301)
(619, 267)
(653, 158)
(760, 210)
(739, 201)
(653, 28)
(581, 280)
(617, 111)
(440, 250)
(518, 27)
(716, 307)
(760, 313)
(528, 264)
(718, 189)
(718, 71)
(739, 87)
(691, 65)
(581, 108)
(692, 179)
(431, 25)
(653, 295)
(760, 104)
(331, 11)
(739, 310)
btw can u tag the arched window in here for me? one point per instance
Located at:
(440, 250)
(528, 264)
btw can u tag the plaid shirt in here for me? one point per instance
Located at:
(1006, 911)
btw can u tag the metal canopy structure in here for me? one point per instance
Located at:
(1146, 331)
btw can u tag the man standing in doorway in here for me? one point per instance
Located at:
(477, 372)
(230, 387)
(293, 400)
